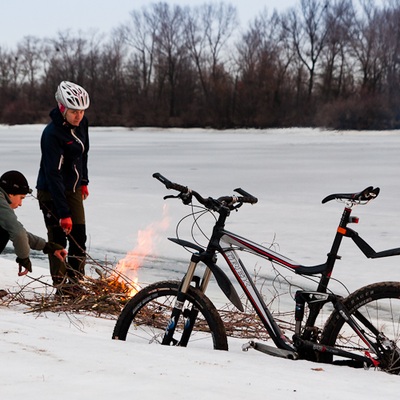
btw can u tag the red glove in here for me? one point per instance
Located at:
(66, 224)
(85, 192)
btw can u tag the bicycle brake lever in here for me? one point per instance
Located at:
(185, 197)
(237, 206)
(171, 196)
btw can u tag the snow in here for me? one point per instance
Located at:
(56, 355)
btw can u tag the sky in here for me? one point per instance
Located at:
(44, 18)
(63, 356)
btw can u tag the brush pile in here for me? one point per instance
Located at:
(105, 293)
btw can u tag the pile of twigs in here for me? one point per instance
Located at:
(103, 294)
(106, 291)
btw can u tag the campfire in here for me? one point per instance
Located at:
(146, 245)
(105, 290)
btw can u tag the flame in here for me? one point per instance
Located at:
(146, 245)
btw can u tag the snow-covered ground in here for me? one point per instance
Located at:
(290, 171)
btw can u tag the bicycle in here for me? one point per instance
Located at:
(362, 330)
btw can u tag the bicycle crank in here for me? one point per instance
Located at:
(270, 350)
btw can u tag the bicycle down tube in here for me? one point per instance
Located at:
(242, 276)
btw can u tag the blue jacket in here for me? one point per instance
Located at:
(63, 166)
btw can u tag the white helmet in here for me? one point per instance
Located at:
(72, 96)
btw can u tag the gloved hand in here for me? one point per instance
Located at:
(56, 249)
(66, 225)
(24, 263)
(85, 192)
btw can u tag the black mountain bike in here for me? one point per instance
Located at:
(363, 329)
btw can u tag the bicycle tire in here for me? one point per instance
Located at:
(147, 314)
(380, 304)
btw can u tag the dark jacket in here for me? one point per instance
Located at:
(63, 165)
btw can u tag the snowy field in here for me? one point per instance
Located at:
(290, 171)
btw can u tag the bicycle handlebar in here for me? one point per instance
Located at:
(215, 204)
(361, 197)
(170, 185)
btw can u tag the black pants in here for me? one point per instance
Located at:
(76, 240)
(4, 238)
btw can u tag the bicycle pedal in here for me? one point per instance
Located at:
(247, 346)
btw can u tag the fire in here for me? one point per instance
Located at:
(146, 245)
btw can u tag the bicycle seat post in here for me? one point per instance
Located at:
(333, 254)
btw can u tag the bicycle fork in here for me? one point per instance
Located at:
(189, 315)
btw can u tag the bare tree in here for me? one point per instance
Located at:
(140, 34)
(208, 30)
(391, 45)
(262, 65)
(30, 61)
(68, 57)
(365, 37)
(307, 31)
(336, 64)
(104, 79)
(170, 51)
(5, 73)
(196, 43)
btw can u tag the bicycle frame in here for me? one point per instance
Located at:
(228, 243)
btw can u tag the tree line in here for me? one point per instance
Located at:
(332, 64)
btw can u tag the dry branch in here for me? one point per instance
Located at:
(104, 295)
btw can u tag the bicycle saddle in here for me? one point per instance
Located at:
(367, 194)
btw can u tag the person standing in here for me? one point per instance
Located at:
(13, 190)
(62, 182)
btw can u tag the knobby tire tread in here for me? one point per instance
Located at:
(355, 301)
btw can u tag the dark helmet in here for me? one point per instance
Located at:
(13, 182)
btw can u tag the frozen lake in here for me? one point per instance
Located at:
(290, 171)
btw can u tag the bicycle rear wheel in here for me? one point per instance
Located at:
(376, 308)
(146, 316)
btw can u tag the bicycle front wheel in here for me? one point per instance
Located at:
(146, 316)
(376, 308)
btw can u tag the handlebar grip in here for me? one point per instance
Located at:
(170, 185)
(162, 179)
(247, 197)
(251, 200)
